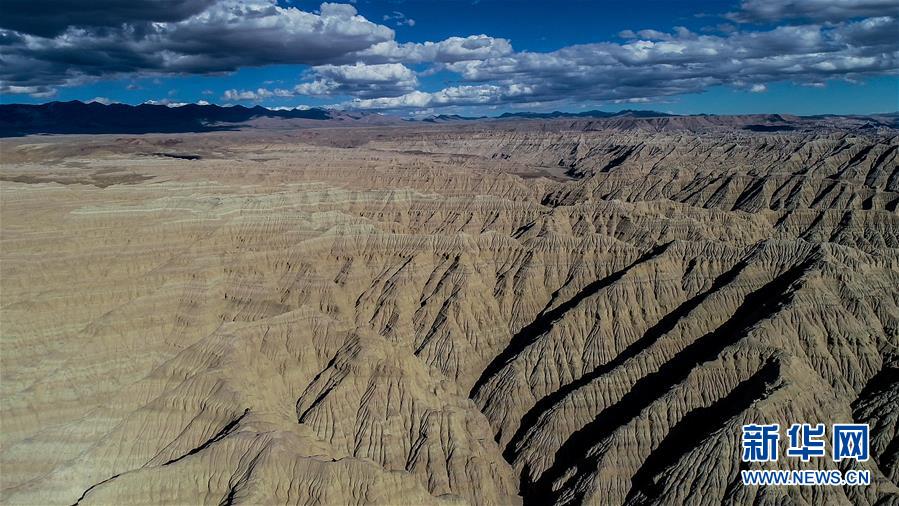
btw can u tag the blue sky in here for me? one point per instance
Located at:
(469, 57)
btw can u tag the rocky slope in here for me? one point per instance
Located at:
(487, 313)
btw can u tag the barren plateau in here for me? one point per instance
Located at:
(538, 312)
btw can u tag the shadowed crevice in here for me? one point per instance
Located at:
(662, 327)
(698, 426)
(221, 434)
(855, 160)
(617, 161)
(95, 485)
(872, 406)
(575, 452)
(235, 486)
(545, 320)
(872, 172)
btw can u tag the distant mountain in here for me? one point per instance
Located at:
(77, 117)
(443, 118)
(94, 118)
(627, 113)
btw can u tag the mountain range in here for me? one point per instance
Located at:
(76, 117)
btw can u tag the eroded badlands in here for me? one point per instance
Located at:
(538, 312)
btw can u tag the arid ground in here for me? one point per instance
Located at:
(546, 312)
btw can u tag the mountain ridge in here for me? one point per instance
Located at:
(93, 117)
(76, 117)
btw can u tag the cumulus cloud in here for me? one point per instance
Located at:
(254, 95)
(350, 56)
(227, 35)
(483, 94)
(49, 18)
(453, 49)
(654, 64)
(635, 100)
(815, 10)
(166, 102)
(39, 91)
(360, 80)
(399, 19)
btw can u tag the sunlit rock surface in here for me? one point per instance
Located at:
(563, 312)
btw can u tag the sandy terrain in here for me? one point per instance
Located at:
(557, 312)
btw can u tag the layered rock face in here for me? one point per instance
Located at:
(531, 312)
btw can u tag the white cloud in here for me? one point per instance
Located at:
(453, 49)
(351, 56)
(254, 95)
(815, 10)
(290, 108)
(456, 95)
(399, 19)
(654, 64)
(360, 80)
(166, 102)
(227, 35)
(648, 66)
(38, 91)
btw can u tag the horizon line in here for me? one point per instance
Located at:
(396, 113)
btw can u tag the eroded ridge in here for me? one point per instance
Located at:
(561, 312)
